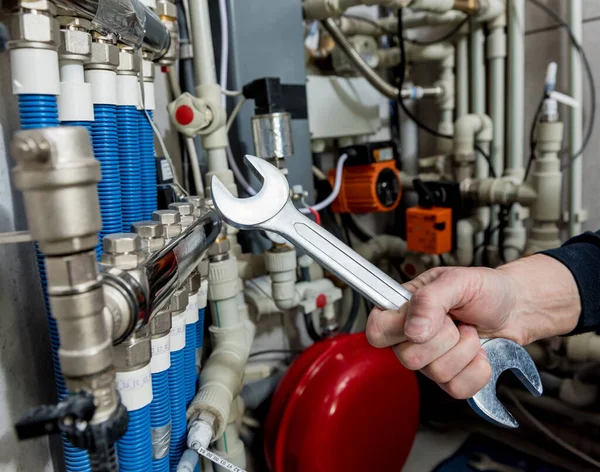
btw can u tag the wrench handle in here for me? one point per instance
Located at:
(339, 259)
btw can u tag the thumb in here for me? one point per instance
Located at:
(431, 304)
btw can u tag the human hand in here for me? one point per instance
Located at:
(509, 302)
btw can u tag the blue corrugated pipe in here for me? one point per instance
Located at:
(147, 165)
(134, 449)
(191, 375)
(106, 150)
(129, 163)
(160, 412)
(177, 398)
(40, 111)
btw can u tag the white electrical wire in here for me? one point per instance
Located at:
(166, 154)
(224, 48)
(550, 434)
(336, 187)
(231, 93)
(234, 113)
(195, 164)
(318, 173)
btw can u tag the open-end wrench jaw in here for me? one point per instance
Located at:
(245, 213)
(505, 355)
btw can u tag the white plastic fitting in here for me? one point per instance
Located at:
(584, 348)
(201, 431)
(471, 128)
(434, 6)
(281, 266)
(75, 100)
(382, 246)
(34, 71)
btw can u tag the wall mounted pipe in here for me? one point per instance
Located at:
(133, 22)
(576, 123)
(462, 72)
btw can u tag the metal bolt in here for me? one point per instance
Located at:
(166, 217)
(122, 243)
(148, 229)
(179, 300)
(183, 208)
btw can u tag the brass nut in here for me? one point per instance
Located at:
(74, 22)
(75, 44)
(133, 352)
(103, 54)
(220, 246)
(160, 323)
(203, 268)
(27, 26)
(166, 8)
(179, 300)
(129, 62)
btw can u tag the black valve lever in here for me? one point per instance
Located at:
(70, 416)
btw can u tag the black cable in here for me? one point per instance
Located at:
(587, 68)
(445, 37)
(442, 260)
(347, 328)
(349, 222)
(545, 29)
(532, 141)
(401, 70)
(275, 351)
(310, 328)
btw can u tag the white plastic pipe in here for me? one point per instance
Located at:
(576, 125)
(204, 59)
(462, 74)
(515, 233)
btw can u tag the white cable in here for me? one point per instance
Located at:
(231, 93)
(191, 149)
(238, 173)
(224, 48)
(166, 154)
(318, 173)
(336, 188)
(550, 434)
(234, 113)
(211, 456)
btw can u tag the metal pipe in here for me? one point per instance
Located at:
(576, 126)
(367, 72)
(132, 21)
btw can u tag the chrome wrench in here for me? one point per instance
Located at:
(272, 210)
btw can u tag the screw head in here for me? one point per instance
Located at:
(121, 243)
(148, 229)
(183, 208)
(166, 217)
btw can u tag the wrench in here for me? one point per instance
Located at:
(272, 210)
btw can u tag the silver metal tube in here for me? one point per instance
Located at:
(367, 72)
(576, 126)
(133, 22)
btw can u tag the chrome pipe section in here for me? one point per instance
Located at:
(168, 269)
(132, 21)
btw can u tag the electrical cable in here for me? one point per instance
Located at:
(539, 425)
(231, 93)
(532, 141)
(234, 113)
(588, 70)
(314, 212)
(336, 187)
(361, 233)
(449, 35)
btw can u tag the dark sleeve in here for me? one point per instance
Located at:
(581, 255)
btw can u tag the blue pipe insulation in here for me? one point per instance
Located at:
(200, 330)
(134, 449)
(106, 149)
(189, 352)
(129, 162)
(178, 408)
(160, 413)
(148, 165)
(41, 111)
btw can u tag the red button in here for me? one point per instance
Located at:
(184, 115)
(321, 301)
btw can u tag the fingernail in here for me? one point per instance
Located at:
(417, 326)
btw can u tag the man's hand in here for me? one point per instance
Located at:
(523, 301)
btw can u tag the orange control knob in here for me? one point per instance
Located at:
(367, 188)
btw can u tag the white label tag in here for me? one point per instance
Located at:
(178, 332)
(165, 168)
(211, 456)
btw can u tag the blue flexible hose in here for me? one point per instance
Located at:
(160, 412)
(129, 162)
(200, 329)
(134, 449)
(177, 398)
(191, 376)
(148, 166)
(106, 150)
(41, 111)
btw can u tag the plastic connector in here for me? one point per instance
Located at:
(201, 431)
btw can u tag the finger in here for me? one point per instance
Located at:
(471, 379)
(417, 356)
(386, 328)
(430, 305)
(449, 365)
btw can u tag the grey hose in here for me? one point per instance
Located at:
(367, 72)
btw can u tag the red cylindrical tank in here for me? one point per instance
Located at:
(343, 406)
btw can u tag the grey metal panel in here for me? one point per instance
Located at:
(267, 40)
(26, 377)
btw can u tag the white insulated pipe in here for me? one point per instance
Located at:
(576, 123)
(462, 73)
(515, 234)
